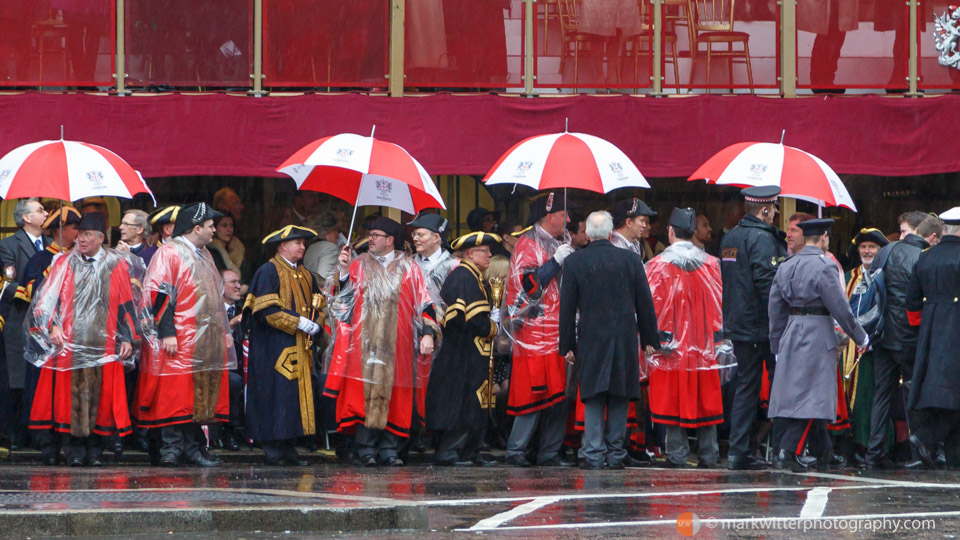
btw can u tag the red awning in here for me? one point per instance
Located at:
(217, 134)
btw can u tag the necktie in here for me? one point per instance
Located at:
(89, 259)
(231, 311)
(38, 244)
(381, 260)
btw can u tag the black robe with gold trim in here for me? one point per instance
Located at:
(461, 367)
(279, 391)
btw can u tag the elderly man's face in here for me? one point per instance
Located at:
(89, 242)
(231, 287)
(130, 232)
(425, 241)
(868, 251)
(35, 215)
(292, 250)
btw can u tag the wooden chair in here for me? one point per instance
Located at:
(574, 41)
(551, 10)
(712, 23)
(641, 44)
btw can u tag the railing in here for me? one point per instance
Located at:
(519, 46)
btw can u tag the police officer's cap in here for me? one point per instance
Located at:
(870, 235)
(951, 216)
(683, 219)
(290, 232)
(475, 239)
(431, 222)
(761, 194)
(815, 227)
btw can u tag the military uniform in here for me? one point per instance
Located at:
(750, 254)
(932, 303)
(805, 298)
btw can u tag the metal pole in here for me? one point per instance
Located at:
(121, 64)
(529, 19)
(788, 48)
(657, 47)
(257, 48)
(397, 35)
(913, 73)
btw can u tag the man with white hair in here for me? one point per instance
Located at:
(134, 231)
(602, 342)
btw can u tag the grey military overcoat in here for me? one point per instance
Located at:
(805, 384)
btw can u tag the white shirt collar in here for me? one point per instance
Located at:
(33, 239)
(433, 257)
(96, 256)
(385, 259)
(136, 246)
(293, 265)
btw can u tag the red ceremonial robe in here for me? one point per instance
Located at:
(191, 386)
(538, 378)
(81, 401)
(685, 384)
(380, 394)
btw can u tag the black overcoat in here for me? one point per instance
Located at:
(608, 287)
(933, 297)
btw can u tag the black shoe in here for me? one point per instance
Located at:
(201, 461)
(941, 459)
(591, 466)
(295, 462)
(518, 461)
(484, 461)
(882, 465)
(143, 444)
(705, 465)
(616, 465)
(76, 462)
(555, 461)
(922, 452)
(393, 461)
(667, 464)
(273, 461)
(95, 462)
(917, 465)
(794, 463)
(49, 461)
(368, 461)
(745, 463)
(837, 461)
(630, 461)
(169, 461)
(230, 442)
(446, 462)
(118, 446)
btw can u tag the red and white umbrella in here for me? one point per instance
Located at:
(566, 160)
(67, 170)
(798, 174)
(363, 171)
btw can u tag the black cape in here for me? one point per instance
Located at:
(462, 365)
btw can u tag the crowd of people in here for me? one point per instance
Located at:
(577, 340)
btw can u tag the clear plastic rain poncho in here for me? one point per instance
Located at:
(687, 294)
(532, 318)
(184, 294)
(375, 367)
(95, 306)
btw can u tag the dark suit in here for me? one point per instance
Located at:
(604, 339)
(15, 251)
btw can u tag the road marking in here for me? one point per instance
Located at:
(877, 481)
(495, 521)
(496, 500)
(713, 521)
(816, 502)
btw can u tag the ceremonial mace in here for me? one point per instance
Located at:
(496, 296)
(317, 303)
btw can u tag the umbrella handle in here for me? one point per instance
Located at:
(352, 219)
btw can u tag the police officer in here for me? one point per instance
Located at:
(750, 254)
(805, 298)
(932, 303)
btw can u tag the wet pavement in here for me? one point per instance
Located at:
(515, 503)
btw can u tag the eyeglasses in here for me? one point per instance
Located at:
(129, 224)
(423, 236)
(377, 235)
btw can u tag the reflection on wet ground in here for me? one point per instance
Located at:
(547, 503)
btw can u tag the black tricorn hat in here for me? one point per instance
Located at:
(629, 208)
(475, 239)
(162, 216)
(548, 203)
(431, 222)
(870, 235)
(67, 215)
(290, 232)
(93, 221)
(190, 216)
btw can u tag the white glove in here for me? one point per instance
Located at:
(563, 252)
(495, 315)
(866, 343)
(308, 326)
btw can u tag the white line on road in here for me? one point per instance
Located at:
(712, 521)
(816, 502)
(495, 521)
